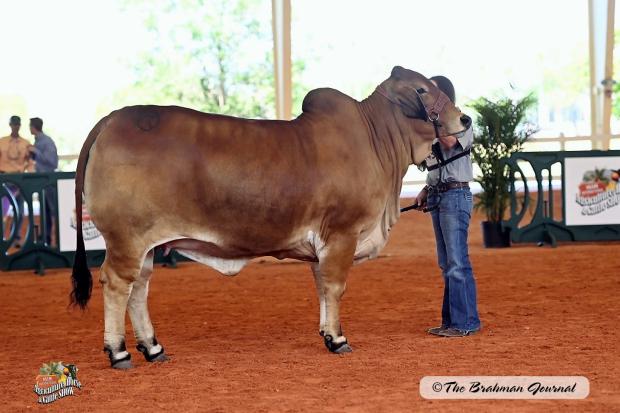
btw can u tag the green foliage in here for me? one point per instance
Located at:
(214, 56)
(500, 131)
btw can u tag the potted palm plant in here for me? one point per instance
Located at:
(501, 130)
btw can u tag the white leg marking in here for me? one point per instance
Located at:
(155, 349)
(321, 294)
(120, 355)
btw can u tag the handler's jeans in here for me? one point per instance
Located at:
(451, 223)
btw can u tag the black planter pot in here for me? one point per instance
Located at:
(493, 236)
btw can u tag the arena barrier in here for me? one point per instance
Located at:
(587, 182)
(40, 248)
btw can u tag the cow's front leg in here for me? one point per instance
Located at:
(334, 263)
(117, 283)
(139, 314)
(318, 281)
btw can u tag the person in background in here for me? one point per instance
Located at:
(45, 155)
(15, 158)
(448, 197)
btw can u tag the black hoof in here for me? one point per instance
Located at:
(160, 356)
(122, 363)
(338, 348)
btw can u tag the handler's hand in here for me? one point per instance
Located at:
(421, 199)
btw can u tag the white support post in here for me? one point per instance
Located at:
(281, 25)
(601, 23)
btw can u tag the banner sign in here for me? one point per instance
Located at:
(592, 190)
(67, 221)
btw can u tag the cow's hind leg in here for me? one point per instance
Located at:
(333, 268)
(118, 273)
(139, 314)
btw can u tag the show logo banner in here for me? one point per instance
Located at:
(55, 381)
(592, 190)
(598, 191)
(67, 222)
(88, 226)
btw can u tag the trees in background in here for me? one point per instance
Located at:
(214, 56)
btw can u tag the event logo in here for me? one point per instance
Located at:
(598, 191)
(55, 381)
(88, 226)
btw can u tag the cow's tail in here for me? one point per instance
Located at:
(81, 278)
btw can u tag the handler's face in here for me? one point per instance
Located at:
(15, 128)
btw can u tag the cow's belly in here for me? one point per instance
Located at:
(307, 248)
(207, 253)
(225, 266)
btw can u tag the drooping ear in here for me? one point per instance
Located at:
(410, 104)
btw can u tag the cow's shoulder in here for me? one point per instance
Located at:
(326, 100)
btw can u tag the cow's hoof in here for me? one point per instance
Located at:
(122, 364)
(159, 356)
(345, 348)
(121, 360)
(338, 348)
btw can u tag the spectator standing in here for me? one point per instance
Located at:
(45, 156)
(15, 158)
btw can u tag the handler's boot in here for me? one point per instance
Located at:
(455, 332)
(436, 330)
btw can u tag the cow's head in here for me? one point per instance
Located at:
(421, 101)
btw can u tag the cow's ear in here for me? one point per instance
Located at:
(397, 72)
(411, 106)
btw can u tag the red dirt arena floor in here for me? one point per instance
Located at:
(250, 343)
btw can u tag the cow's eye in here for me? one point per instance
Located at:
(421, 91)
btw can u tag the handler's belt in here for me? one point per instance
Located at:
(439, 188)
(446, 186)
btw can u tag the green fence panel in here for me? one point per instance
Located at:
(544, 226)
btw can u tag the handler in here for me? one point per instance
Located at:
(448, 197)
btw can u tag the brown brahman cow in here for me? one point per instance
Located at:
(322, 188)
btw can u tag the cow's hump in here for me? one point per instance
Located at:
(325, 100)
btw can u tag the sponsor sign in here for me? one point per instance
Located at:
(592, 190)
(67, 224)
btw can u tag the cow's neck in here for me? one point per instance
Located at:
(389, 137)
(389, 134)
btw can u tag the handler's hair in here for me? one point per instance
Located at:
(445, 85)
(37, 123)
